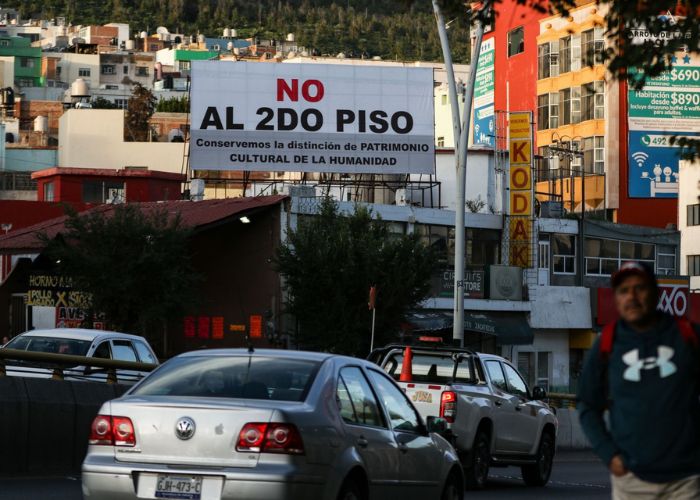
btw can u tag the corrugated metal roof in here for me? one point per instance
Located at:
(194, 214)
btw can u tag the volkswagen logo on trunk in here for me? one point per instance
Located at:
(184, 428)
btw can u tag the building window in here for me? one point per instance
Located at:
(58, 71)
(575, 52)
(108, 69)
(548, 111)
(83, 71)
(604, 257)
(48, 191)
(4, 43)
(599, 154)
(693, 265)
(126, 69)
(102, 191)
(693, 215)
(141, 70)
(26, 62)
(594, 154)
(563, 254)
(593, 101)
(516, 41)
(122, 103)
(548, 60)
(592, 45)
(587, 101)
(441, 141)
(184, 65)
(666, 259)
(564, 55)
(575, 104)
(565, 107)
(443, 99)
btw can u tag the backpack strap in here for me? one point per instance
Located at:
(687, 331)
(606, 340)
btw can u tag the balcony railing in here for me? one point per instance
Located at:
(17, 181)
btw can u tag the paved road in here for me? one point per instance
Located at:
(576, 475)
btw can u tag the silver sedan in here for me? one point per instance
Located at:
(233, 424)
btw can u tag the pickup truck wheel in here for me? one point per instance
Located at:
(476, 473)
(538, 473)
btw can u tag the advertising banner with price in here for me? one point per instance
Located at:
(484, 116)
(668, 106)
(312, 118)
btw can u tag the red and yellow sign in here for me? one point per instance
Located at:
(521, 202)
(256, 327)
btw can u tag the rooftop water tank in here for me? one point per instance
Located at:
(130, 45)
(290, 37)
(197, 189)
(41, 124)
(79, 88)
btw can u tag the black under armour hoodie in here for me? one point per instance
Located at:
(653, 384)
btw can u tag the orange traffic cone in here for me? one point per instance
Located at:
(407, 366)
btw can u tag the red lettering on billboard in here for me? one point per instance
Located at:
(311, 90)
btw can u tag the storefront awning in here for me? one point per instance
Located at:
(509, 328)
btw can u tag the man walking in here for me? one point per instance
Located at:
(645, 370)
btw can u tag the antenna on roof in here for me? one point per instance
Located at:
(251, 350)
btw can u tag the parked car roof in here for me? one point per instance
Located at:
(79, 334)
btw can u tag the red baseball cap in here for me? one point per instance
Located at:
(633, 268)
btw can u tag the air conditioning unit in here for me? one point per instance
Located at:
(401, 197)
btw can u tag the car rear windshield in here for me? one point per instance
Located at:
(433, 367)
(55, 345)
(244, 377)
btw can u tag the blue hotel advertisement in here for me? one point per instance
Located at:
(668, 106)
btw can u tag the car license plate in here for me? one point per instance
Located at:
(183, 487)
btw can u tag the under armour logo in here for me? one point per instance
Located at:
(633, 373)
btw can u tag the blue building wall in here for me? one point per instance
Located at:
(30, 160)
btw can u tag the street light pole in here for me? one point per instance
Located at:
(451, 83)
(458, 326)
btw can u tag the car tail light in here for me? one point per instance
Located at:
(251, 437)
(448, 406)
(270, 438)
(112, 431)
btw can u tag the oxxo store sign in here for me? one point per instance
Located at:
(674, 299)
(520, 212)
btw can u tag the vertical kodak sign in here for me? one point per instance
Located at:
(521, 203)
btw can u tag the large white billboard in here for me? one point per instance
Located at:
(312, 118)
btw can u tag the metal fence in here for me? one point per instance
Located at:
(17, 181)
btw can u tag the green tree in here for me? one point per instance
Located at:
(174, 105)
(102, 103)
(141, 106)
(329, 264)
(134, 263)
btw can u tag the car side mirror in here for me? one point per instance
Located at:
(539, 393)
(436, 424)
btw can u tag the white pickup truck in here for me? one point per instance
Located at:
(492, 418)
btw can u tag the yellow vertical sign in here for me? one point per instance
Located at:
(521, 203)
